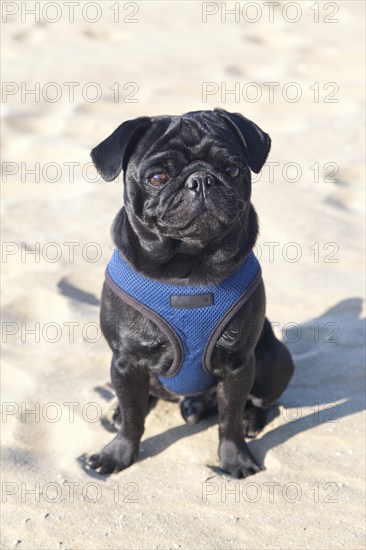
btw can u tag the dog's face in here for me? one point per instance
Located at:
(186, 177)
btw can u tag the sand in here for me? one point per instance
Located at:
(311, 491)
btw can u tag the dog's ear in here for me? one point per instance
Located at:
(256, 142)
(111, 155)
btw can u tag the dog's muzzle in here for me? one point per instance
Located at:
(199, 183)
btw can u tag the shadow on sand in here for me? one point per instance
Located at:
(328, 383)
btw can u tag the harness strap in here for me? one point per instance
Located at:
(171, 334)
(155, 318)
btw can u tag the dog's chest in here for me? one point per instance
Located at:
(192, 317)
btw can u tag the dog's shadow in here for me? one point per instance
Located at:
(328, 352)
(327, 384)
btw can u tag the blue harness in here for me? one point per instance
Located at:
(192, 317)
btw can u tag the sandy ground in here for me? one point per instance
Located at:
(159, 54)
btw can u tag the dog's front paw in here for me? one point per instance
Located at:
(114, 457)
(237, 460)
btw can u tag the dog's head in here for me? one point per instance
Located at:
(186, 177)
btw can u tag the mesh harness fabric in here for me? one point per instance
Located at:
(192, 317)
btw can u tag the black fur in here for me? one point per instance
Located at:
(195, 236)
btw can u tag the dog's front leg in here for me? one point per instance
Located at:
(131, 385)
(232, 393)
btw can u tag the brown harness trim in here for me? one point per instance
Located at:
(155, 318)
(215, 335)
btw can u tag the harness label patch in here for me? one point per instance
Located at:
(196, 300)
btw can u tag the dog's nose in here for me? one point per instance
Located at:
(199, 182)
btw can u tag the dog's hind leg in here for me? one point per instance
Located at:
(273, 370)
(197, 408)
(193, 409)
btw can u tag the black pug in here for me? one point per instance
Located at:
(183, 304)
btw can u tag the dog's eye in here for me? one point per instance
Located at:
(159, 179)
(232, 170)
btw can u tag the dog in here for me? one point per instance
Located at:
(183, 304)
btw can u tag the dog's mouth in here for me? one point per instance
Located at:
(204, 216)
